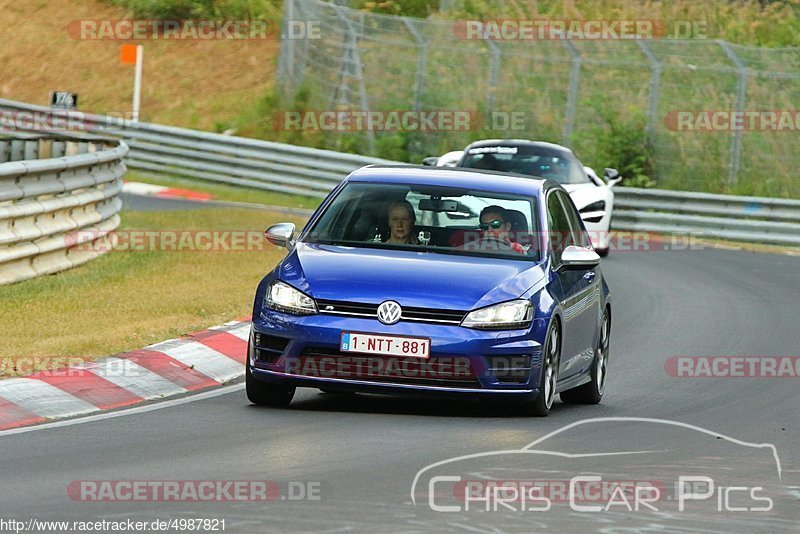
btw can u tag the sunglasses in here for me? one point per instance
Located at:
(494, 225)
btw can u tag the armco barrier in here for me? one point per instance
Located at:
(738, 218)
(207, 156)
(58, 195)
(313, 172)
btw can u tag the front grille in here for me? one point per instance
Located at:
(268, 349)
(422, 315)
(330, 363)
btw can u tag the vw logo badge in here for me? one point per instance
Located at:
(389, 312)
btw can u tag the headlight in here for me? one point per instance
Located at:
(506, 315)
(600, 205)
(283, 297)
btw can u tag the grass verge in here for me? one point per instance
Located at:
(126, 300)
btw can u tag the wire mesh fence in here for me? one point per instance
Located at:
(718, 117)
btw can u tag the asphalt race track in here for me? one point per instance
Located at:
(360, 454)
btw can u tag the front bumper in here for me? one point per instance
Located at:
(304, 351)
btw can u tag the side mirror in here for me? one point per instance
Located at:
(575, 257)
(281, 235)
(593, 177)
(431, 161)
(612, 176)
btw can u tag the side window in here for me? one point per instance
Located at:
(579, 235)
(559, 231)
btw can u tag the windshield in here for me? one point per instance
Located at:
(536, 161)
(448, 220)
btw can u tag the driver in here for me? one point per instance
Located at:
(495, 226)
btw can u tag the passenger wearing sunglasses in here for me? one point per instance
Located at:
(494, 227)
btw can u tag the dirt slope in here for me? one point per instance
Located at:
(200, 84)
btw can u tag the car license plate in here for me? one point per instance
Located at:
(418, 347)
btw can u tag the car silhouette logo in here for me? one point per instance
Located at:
(389, 312)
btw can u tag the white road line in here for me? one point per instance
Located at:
(43, 399)
(131, 376)
(128, 411)
(203, 359)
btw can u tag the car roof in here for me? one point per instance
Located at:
(517, 142)
(451, 176)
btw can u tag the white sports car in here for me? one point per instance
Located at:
(446, 160)
(592, 196)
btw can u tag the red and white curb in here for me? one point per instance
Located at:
(150, 190)
(200, 360)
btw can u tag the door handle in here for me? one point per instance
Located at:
(589, 276)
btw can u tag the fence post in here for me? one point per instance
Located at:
(286, 56)
(421, 60)
(341, 93)
(494, 69)
(355, 61)
(572, 91)
(299, 68)
(741, 88)
(655, 89)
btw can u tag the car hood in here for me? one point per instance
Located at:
(584, 194)
(415, 279)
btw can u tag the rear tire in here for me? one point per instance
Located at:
(264, 394)
(551, 356)
(592, 392)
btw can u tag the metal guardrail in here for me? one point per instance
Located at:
(313, 172)
(210, 156)
(58, 201)
(751, 219)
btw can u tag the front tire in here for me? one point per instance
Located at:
(592, 392)
(541, 405)
(264, 394)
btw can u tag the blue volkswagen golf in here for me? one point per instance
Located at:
(443, 281)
